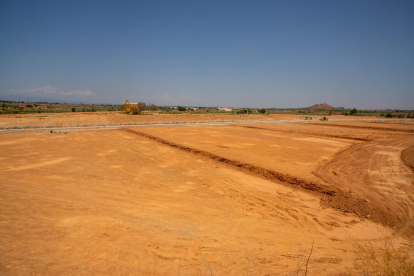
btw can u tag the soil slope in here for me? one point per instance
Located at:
(407, 156)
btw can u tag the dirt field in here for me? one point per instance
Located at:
(191, 200)
(116, 118)
(390, 126)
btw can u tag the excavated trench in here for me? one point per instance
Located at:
(330, 196)
(266, 173)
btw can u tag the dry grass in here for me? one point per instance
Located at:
(384, 257)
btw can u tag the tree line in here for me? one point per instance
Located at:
(137, 108)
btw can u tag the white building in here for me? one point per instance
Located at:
(224, 109)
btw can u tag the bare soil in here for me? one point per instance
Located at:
(407, 156)
(401, 127)
(199, 200)
(117, 118)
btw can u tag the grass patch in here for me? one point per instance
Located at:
(384, 257)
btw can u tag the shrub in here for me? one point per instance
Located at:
(135, 110)
(388, 115)
(353, 111)
(383, 258)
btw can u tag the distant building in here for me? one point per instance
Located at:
(130, 103)
(224, 109)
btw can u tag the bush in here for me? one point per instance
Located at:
(135, 110)
(383, 258)
(389, 115)
(262, 111)
(353, 111)
(73, 109)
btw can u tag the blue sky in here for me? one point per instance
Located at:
(209, 53)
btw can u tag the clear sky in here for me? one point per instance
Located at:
(209, 53)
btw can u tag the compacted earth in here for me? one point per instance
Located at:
(273, 199)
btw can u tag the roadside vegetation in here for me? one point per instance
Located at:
(8, 107)
(140, 108)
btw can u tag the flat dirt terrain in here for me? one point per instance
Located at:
(200, 200)
(391, 126)
(117, 118)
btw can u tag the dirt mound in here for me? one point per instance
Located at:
(407, 156)
(322, 106)
(372, 172)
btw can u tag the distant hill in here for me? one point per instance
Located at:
(322, 106)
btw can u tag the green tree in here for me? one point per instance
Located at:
(353, 111)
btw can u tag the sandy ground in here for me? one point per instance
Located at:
(116, 118)
(116, 202)
(325, 130)
(407, 156)
(403, 125)
(283, 152)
